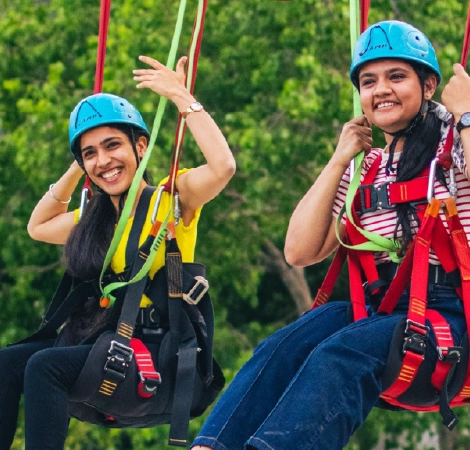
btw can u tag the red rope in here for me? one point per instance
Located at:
(466, 41)
(365, 5)
(105, 9)
(102, 36)
(177, 145)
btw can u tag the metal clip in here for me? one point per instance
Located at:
(157, 204)
(452, 183)
(432, 178)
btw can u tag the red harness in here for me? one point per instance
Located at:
(404, 374)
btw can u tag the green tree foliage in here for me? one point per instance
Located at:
(275, 77)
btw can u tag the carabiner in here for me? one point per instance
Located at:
(83, 202)
(157, 204)
(452, 183)
(432, 178)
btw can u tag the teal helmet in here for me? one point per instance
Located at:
(102, 109)
(393, 39)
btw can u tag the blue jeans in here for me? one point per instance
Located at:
(44, 374)
(310, 385)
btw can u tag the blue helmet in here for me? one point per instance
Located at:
(102, 109)
(393, 39)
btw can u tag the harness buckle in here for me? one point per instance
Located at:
(416, 337)
(377, 197)
(449, 354)
(194, 296)
(119, 359)
(149, 382)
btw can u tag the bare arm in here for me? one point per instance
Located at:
(311, 233)
(201, 185)
(50, 222)
(456, 98)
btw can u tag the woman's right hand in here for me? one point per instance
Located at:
(355, 137)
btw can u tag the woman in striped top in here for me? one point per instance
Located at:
(313, 383)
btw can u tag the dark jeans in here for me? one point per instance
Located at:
(44, 374)
(310, 385)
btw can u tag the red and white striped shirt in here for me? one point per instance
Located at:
(384, 221)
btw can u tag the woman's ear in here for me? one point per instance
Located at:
(430, 86)
(141, 146)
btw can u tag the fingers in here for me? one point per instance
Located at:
(459, 70)
(151, 62)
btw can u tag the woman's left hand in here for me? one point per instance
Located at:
(456, 94)
(160, 78)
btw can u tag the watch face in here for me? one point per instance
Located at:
(465, 119)
(196, 106)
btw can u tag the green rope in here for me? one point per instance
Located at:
(375, 242)
(106, 291)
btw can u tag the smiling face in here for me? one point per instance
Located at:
(391, 93)
(109, 159)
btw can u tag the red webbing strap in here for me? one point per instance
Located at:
(149, 377)
(444, 340)
(328, 284)
(408, 191)
(179, 134)
(358, 301)
(365, 258)
(462, 252)
(417, 304)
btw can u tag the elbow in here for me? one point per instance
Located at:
(295, 257)
(32, 231)
(230, 167)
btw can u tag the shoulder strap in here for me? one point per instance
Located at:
(139, 220)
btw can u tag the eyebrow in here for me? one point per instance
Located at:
(389, 71)
(103, 142)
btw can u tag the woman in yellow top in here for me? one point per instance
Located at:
(108, 139)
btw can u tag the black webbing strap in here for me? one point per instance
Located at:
(184, 344)
(138, 224)
(64, 306)
(132, 247)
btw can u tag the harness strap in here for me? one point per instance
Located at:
(150, 379)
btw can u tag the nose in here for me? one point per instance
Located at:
(103, 158)
(382, 87)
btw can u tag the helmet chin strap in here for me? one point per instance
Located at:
(417, 119)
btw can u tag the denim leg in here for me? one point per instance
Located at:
(261, 382)
(13, 361)
(333, 392)
(48, 378)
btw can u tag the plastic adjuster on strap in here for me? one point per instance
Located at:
(194, 296)
(373, 198)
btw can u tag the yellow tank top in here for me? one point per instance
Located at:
(185, 236)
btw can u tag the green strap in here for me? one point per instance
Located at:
(106, 291)
(375, 242)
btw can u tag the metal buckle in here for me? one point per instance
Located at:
(150, 381)
(379, 198)
(201, 282)
(449, 354)
(121, 351)
(416, 337)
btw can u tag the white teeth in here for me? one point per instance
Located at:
(384, 105)
(110, 174)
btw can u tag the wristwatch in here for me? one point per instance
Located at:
(193, 107)
(464, 122)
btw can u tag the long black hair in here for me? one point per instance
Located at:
(88, 243)
(422, 139)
